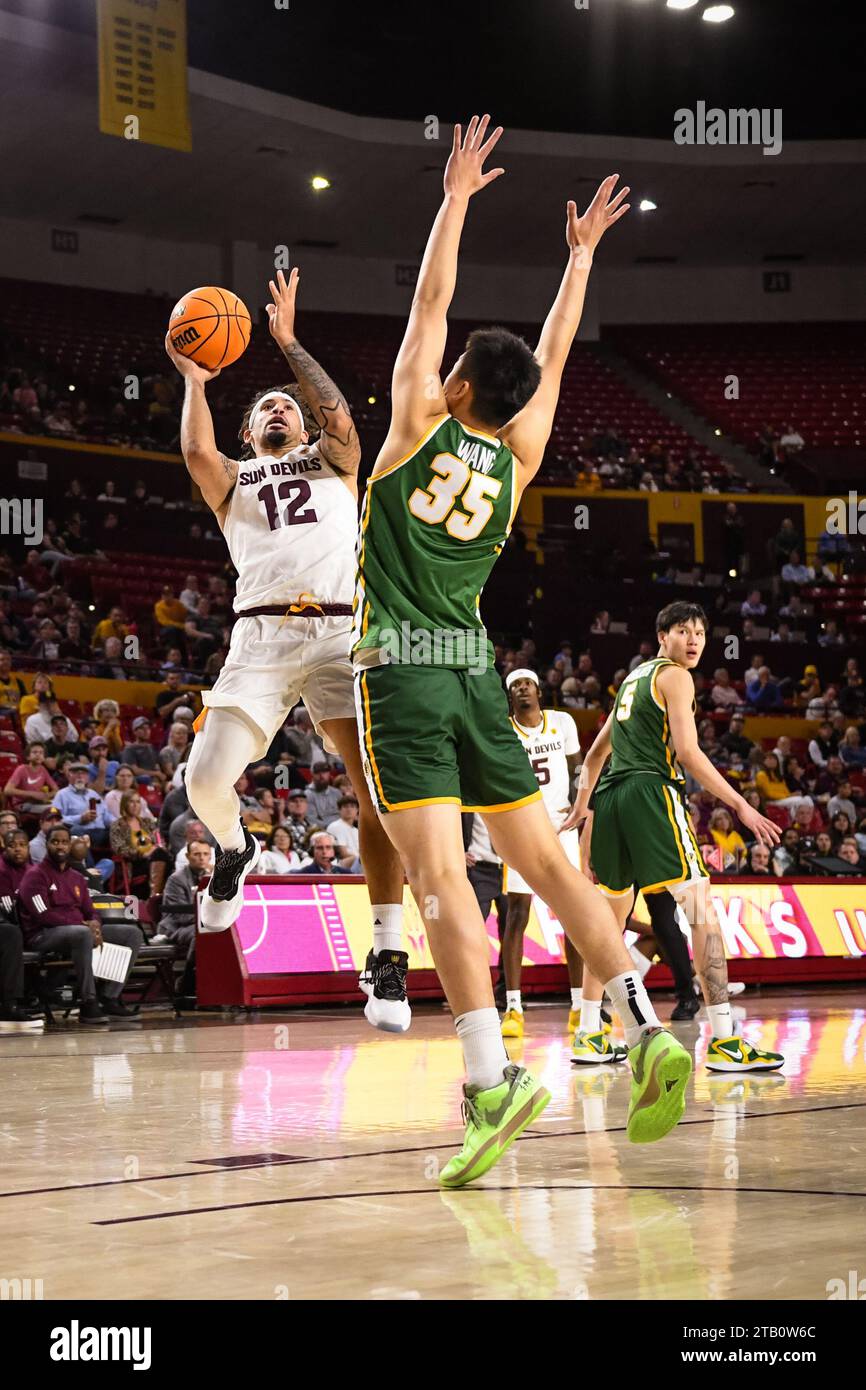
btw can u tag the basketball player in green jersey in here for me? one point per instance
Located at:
(432, 714)
(641, 834)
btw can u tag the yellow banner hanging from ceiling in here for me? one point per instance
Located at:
(143, 72)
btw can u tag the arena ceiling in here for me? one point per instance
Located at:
(255, 148)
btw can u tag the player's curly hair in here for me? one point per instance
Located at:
(503, 372)
(291, 389)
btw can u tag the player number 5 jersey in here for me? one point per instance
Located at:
(548, 745)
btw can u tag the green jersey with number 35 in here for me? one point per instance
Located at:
(432, 526)
(640, 733)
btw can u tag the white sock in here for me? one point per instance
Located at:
(576, 998)
(235, 840)
(387, 927)
(483, 1049)
(512, 1001)
(641, 964)
(590, 1015)
(721, 1020)
(631, 1001)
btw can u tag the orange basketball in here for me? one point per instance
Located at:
(210, 325)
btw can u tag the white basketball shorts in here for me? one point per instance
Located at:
(274, 662)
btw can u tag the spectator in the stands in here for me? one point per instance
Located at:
(134, 840)
(841, 801)
(190, 595)
(52, 728)
(758, 862)
(723, 695)
(324, 852)
(14, 863)
(787, 540)
(46, 646)
(107, 715)
(192, 831)
(141, 755)
(83, 809)
(96, 872)
(123, 781)
(735, 741)
(259, 817)
(764, 694)
(729, 840)
(302, 740)
(852, 753)
(111, 666)
(849, 853)
(753, 605)
(57, 915)
(75, 537)
(41, 692)
(344, 830)
(177, 921)
(109, 493)
(176, 750)
(11, 687)
(794, 610)
(62, 747)
(601, 622)
(171, 615)
(114, 625)
(169, 699)
(824, 705)
(807, 819)
(173, 662)
(31, 786)
(771, 783)
(202, 632)
(296, 820)
(795, 572)
(786, 856)
(102, 768)
(823, 744)
(280, 857)
(783, 633)
(72, 644)
(851, 698)
(831, 636)
(645, 652)
(792, 441)
(834, 547)
(49, 817)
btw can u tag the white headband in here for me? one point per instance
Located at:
(284, 395)
(524, 674)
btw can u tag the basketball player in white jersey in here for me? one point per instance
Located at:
(553, 747)
(289, 514)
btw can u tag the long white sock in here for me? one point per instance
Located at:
(512, 1000)
(641, 964)
(631, 1001)
(483, 1049)
(590, 1015)
(387, 927)
(235, 839)
(721, 1020)
(576, 998)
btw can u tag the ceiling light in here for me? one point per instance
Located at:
(647, 205)
(717, 14)
(318, 182)
(681, 4)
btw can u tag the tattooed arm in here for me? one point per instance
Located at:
(338, 441)
(212, 471)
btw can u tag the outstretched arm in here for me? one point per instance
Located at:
(212, 471)
(527, 434)
(416, 387)
(677, 689)
(338, 441)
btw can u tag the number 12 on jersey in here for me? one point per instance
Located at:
(295, 492)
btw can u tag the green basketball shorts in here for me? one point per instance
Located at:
(641, 834)
(433, 734)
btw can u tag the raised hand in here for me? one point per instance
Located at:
(281, 314)
(463, 172)
(584, 233)
(187, 367)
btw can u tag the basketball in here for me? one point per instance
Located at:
(210, 325)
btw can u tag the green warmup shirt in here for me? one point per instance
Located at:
(640, 733)
(432, 526)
